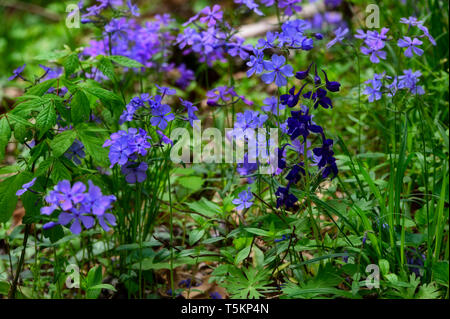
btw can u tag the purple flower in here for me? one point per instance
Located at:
(135, 172)
(301, 124)
(251, 5)
(292, 98)
(26, 187)
(165, 90)
(77, 218)
(119, 152)
(211, 17)
(256, 62)
(78, 207)
(161, 116)
(327, 162)
(190, 109)
(427, 34)
(186, 77)
(238, 48)
(127, 145)
(283, 238)
(268, 42)
(245, 167)
(271, 105)
(375, 55)
(279, 71)
(409, 80)
(248, 120)
(373, 88)
(140, 143)
(133, 8)
(222, 93)
(75, 152)
(290, 6)
(411, 46)
(95, 201)
(164, 138)
(320, 98)
(303, 74)
(215, 295)
(374, 42)
(244, 200)
(332, 86)
(284, 198)
(411, 21)
(17, 73)
(68, 196)
(339, 36)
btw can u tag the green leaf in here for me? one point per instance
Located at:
(50, 55)
(384, 266)
(195, 236)
(8, 189)
(41, 88)
(5, 135)
(205, 207)
(107, 97)
(126, 62)
(54, 233)
(46, 119)
(70, 64)
(94, 279)
(103, 286)
(17, 119)
(193, 183)
(60, 172)
(242, 254)
(80, 107)
(62, 142)
(257, 231)
(107, 68)
(440, 272)
(32, 204)
(93, 139)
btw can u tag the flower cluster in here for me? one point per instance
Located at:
(299, 127)
(125, 149)
(126, 37)
(153, 107)
(378, 85)
(374, 43)
(224, 95)
(209, 40)
(79, 207)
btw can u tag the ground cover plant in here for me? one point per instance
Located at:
(224, 149)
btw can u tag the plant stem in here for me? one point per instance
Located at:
(13, 289)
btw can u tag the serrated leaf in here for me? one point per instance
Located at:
(41, 88)
(70, 64)
(93, 139)
(17, 119)
(107, 68)
(46, 119)
(126, 62)
(80, 107)
(62, 142)
(5, 135)
(59, 172)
